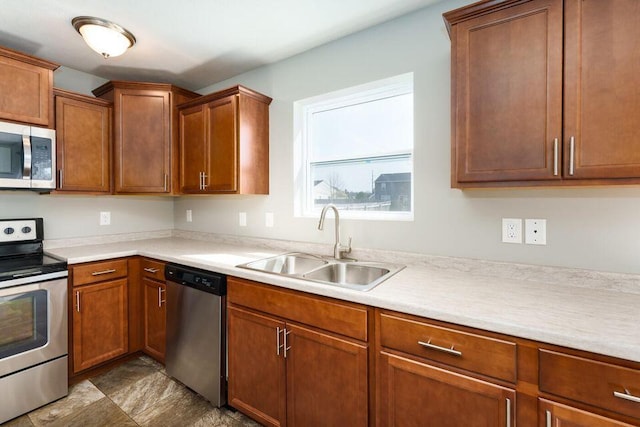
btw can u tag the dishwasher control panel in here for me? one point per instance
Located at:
(203, 280)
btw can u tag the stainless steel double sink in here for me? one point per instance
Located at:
(346, 273)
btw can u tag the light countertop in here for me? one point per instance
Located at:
(590, 311)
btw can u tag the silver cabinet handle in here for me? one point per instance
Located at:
(627, 396)
(160, 300)
(572, 147)
(548, 417)
(199, 180)
(555, 157)
(204, 181)
(26, 147)
(59, 178)
(442, 349)
(508, 412)
(286, 346)
(151, 270)
(278, 345)
(78, 301)
(166, 178)
(98, 273)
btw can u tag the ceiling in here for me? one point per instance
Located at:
(193, 43)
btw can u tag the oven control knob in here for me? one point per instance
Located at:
(26, 230)
(9, 230)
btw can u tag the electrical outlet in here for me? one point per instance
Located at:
(511, 230)
(535, 231)
(105, 218)
(189, 215)
(268, 219)
(242, 219)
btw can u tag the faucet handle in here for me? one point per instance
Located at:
(347, 249)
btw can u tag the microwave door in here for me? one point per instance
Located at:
(43, 158)
(15, 165)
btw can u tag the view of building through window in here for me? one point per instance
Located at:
(359, 149)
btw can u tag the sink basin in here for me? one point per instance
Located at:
(289, 264)
(351, 274)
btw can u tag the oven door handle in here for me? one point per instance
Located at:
(26, 148)
(15, 276)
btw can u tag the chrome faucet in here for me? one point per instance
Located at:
(338, 249)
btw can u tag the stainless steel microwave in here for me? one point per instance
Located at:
(27, 157)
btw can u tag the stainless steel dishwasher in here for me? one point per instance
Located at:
(196, 330)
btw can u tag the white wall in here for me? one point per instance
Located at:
(78, 216)
(594, 228)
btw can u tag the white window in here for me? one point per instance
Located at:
(354, 148)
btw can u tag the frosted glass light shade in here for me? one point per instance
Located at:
(105, 37)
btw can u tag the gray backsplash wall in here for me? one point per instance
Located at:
(593, 228)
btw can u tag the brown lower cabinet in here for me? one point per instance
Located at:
(412, 393)
(100, 325)
(282, 372)
(155, 318)
(556, 415)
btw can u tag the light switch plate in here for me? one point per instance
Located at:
(511, 230)
(189, 215)
(535, 231)
(268, 219)
(242, 219)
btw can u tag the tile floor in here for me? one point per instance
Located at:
(136, 393)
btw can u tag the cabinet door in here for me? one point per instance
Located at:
(222, 149)
(257, 366)
(83, 132)
(326, 379)
(602, 99)
(507, 94)
(142, 141)
(556, 415)
(25, 92)
(155, 318)
(411, 393)
(100, 329)
(192, 149)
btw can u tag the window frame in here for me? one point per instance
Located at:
(303, 112)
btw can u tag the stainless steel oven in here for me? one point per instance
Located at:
(27, 157)
(33, 320)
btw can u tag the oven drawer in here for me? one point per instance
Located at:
(98, 271)
(600, 384)
(487, 356)
(153, 269)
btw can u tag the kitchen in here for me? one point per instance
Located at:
(588, 228)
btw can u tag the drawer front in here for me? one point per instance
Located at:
(487, 356)
(153, 269)
(595, 383)
(99, 271)
(343, 318)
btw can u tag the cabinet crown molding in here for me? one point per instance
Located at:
(23, 57)
(474, 10)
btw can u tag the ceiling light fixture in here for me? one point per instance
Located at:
(105, 37)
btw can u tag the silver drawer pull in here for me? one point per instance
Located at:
(151, 270)
(98, 273)
(627, 396)
(555, 157)
(548, 418)
(78, 301)
(508, 423)
(442, 349)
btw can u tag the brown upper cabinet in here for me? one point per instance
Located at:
(145, 135)
(83, 133)
(26, 84)
(533, 106)
(224, 142)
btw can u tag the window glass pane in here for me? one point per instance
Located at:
(373, 184)
(366, 129)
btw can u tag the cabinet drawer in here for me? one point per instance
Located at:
(153, 269)
(99, 271)
(332, 315)
(487, 356)
(591, 382)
